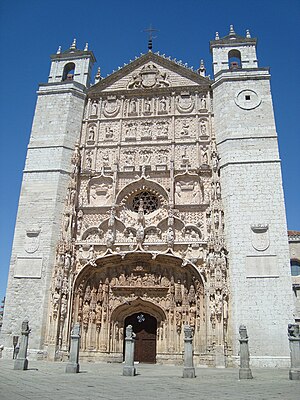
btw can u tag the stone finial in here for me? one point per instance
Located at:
(294, 342)
(231, 31)
(243, 332)
(76, 330)
(98, 75)
(73, 45)
(86, 47)
(248, 36)
(244, 371)
(201, 70)
(188, 332)
(217, 37)
(129, 332)
(25, 327)
(58, 50)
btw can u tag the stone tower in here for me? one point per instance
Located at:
(56, 127)
(153, 198)
(252, 196)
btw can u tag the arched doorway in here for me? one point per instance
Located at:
(144, 326)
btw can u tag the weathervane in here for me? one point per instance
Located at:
(150, 31)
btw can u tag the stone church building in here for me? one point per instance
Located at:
(153, 197)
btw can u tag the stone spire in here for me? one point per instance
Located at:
(86, 47)
(248, 36)
(231, 31)
(58, 50)
(217, 37)
(201, 70)
(98, 75)
(73, 45)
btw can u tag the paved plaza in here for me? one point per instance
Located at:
(47, 380)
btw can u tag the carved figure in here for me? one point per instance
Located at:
(163, 104)
(91, 135)
(203, 127)
(185, 128)
(94, 108)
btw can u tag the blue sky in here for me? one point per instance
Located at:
(31, 30)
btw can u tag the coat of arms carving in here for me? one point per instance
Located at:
(149, 77)
(32, 241)
(260, 237)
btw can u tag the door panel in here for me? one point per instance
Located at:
(144, 326)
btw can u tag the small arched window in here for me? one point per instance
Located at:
(234, 59)
(69, 71)
(295, 267)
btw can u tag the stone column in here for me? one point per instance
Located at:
(245, 371)
(21, 362)
(128, 368)
(294, 339)
(73, 364)
(188, 369)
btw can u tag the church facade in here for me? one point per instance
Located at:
(153, 198)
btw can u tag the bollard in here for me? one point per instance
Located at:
(294, 339)
(73, 364)
(188, 370)
(21, 362)
(245, 371)
(128, 368)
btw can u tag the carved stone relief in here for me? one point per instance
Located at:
(100, 191)
(188, 189)
(149, 77)
(111, 107)
(185, 102)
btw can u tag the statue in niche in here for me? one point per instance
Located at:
(94, 108)
(170, 237)
(89, 159)
(163, 104)
(185, 128)
(203, 102)
(218, 190)
(140, 234)
(178, 190)
(133, 106)
(110, 239)
(214, 161)
(91, 133)
(85, 314)
(203, 127)
(197, 194)
(204, 155)
(178, 293)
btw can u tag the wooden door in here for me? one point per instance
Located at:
(144, 326)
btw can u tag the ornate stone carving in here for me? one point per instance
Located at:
(185, 102)
(149, 77)
(111, 107)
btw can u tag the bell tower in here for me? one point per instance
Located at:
(254, 210)
(55, 130)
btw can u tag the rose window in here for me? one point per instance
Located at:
(147, 200)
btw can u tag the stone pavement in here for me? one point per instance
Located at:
(46, 380)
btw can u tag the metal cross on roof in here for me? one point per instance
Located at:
(150, 31)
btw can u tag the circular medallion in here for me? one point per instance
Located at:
(247, 99)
